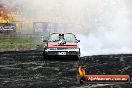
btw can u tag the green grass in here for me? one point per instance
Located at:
(21, 41)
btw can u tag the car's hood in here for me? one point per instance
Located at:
(57, 45)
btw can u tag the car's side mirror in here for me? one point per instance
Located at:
(77, 41)
(45, 40)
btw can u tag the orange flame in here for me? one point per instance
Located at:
(6, 15)
(81, 71)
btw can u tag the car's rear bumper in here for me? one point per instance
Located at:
(63, 52)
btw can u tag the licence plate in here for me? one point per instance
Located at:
(61, 53)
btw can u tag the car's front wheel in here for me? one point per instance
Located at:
(44, 55)
(76, 57)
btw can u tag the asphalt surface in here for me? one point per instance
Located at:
(30, 70)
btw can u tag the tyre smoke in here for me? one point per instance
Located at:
(107, 27)
(103, 26)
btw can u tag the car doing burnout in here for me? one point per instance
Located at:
(61, 44)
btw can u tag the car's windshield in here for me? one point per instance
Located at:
(54, 37)
(67, 37)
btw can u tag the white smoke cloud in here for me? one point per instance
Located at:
(110, 31)
(106, 24)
